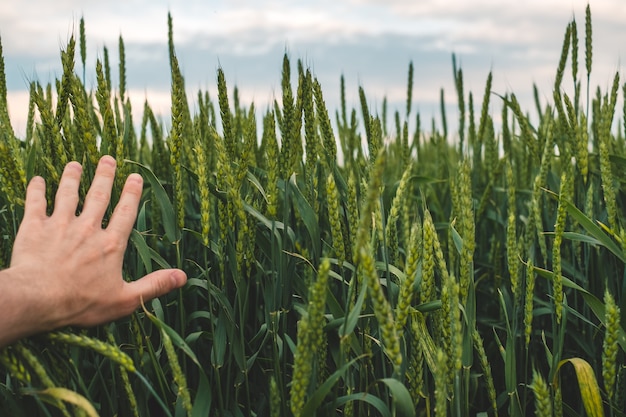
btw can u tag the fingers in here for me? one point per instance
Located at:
(99, 194)
(125, 212)
(35, 203)
(154, 285)
(66, 199)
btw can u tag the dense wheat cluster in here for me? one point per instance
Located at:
(424, 272)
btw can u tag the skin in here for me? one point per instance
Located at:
(66, 269)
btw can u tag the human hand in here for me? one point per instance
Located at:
(73, 265)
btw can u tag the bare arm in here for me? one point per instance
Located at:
(66, 269)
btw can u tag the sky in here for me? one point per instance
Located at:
(370, 42)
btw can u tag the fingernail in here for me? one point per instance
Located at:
(178, 278)
(75, 166)
(134, 177)
(108, 160)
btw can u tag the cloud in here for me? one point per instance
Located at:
(370, 41)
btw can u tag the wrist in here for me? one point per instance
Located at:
(29, 305)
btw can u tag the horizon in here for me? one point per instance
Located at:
(369, 42)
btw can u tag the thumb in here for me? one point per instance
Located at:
(156, 284)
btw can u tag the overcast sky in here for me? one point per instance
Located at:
(371, 42)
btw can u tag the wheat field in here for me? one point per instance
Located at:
(340, 262)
